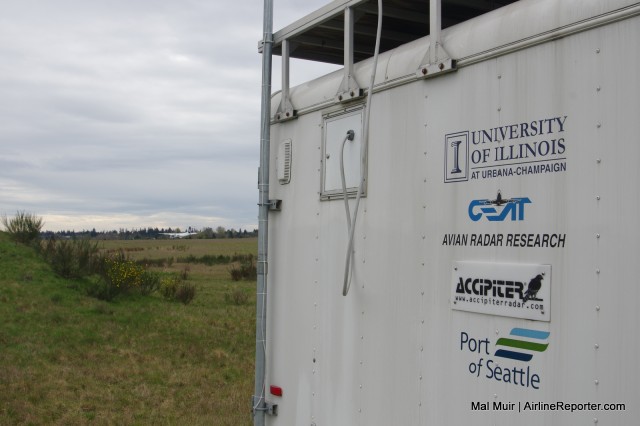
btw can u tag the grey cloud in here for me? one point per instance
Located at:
(130, 111)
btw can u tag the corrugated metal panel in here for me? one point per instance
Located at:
(512, 27)
(391, 352)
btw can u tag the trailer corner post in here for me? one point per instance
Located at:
(259, 406)
(437, 60)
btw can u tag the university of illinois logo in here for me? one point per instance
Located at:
(456, 157)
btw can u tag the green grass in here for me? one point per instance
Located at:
(66, 358)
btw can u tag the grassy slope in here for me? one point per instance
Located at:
(69, 359)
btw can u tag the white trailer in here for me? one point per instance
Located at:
(494, 278)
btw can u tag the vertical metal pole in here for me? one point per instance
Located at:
(348, 47)
(259, 405)
(435, 24)
(285, 70)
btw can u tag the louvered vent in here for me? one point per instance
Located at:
(284, 162)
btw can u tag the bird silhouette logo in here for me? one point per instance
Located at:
(532, 289)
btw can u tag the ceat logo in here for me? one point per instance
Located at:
(499, 209)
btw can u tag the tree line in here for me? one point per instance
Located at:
(150, 233)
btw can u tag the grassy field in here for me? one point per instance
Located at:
(66, 358)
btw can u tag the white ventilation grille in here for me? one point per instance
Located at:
(283, 165)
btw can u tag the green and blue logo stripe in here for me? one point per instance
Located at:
(537, 343)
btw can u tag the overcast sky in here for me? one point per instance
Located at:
(135, 113)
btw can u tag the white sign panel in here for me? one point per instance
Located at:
(504, 289)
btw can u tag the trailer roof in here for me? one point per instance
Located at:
(319, 35)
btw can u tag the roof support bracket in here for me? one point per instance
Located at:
(437, 60)
(349, 89)
(285, 110)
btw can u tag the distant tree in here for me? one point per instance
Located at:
(221, 232)
(207, 233)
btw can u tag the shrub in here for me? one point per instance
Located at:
(158, 263)
(186, 292)
(207, 259)
(184, 274)
(169, 286)
(236, 297)
(100, 289)
(235, 273)
(120, 275)
(72, 258)
(247, 270)
(24, 227)
(174, 288)
(149, 283)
